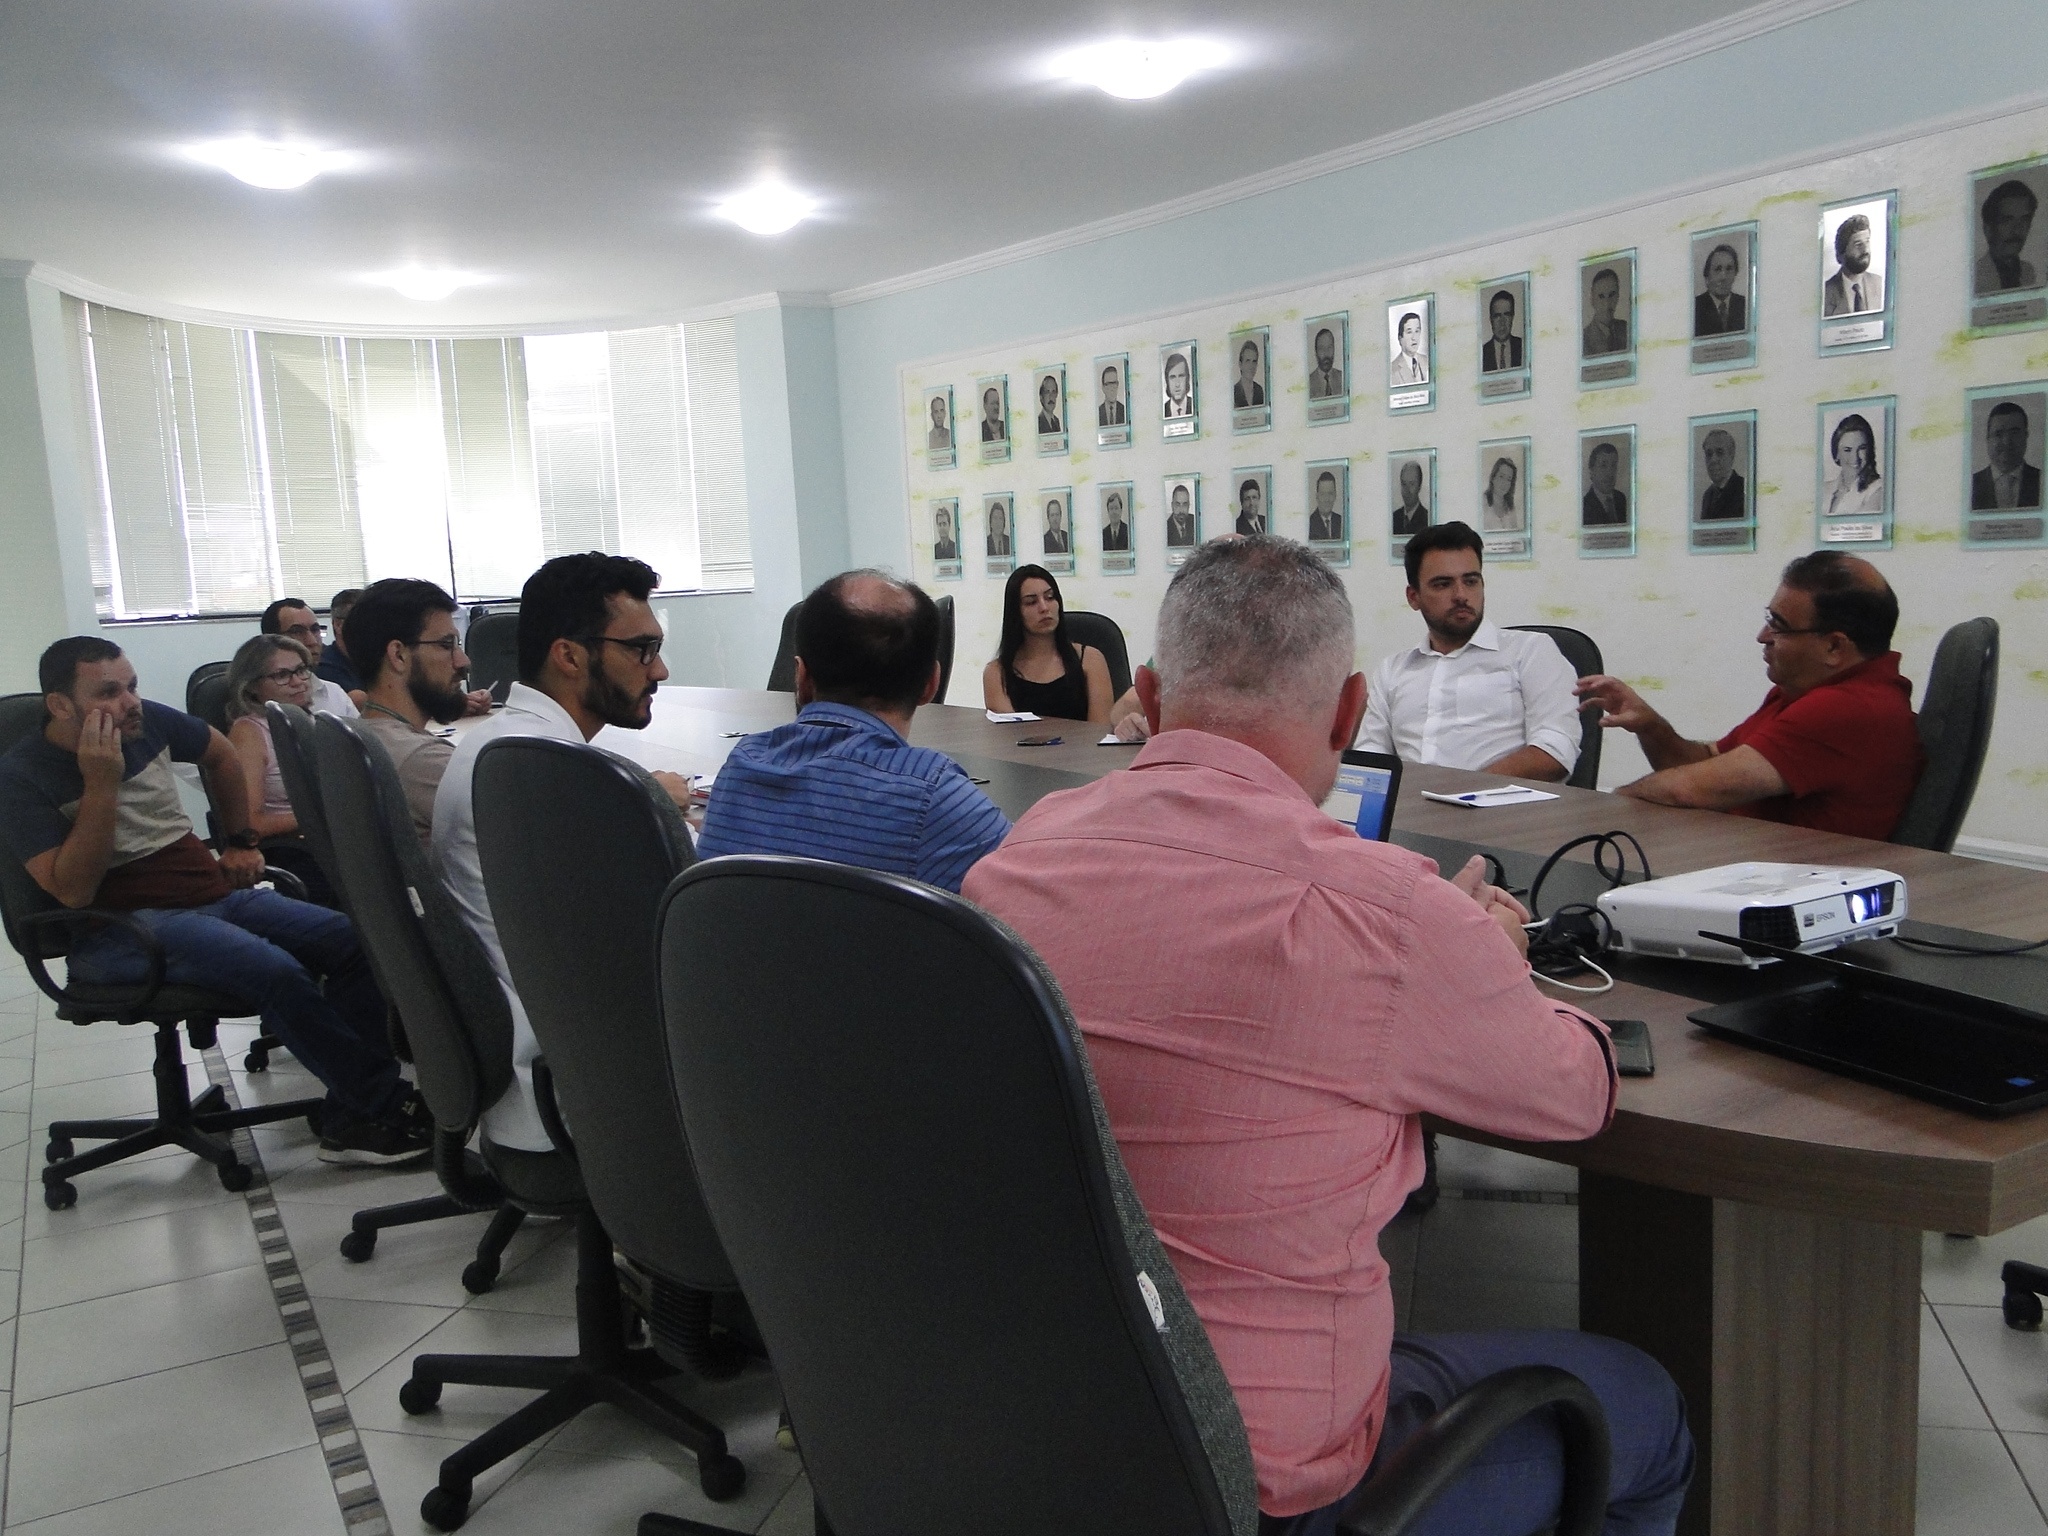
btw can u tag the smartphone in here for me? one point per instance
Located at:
(1632, 1056)
(1040, 741)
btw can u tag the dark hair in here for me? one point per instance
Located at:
(270, 623)
(1505, 293)
(58, 669)
(1013, 623)
(393, 609)
(1451, 535)
(1855, 423)
(1733, 255)
(1855, 224)
(869, 654)
(1605, 272)
(1843, 601)
(2004, 190)
(1413, 314)
(566, 599)
(1606, 448)
(2006, 408)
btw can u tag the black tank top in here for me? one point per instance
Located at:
(1066, 699)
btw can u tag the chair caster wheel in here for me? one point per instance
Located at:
(444, 1508)
(256, 1061)
(236, 1177)
(722, 1478)
(60, 1195)
(479, 1275)
(2022, 1309)
(60, 1147)
(420, 1396)
(357, 1247)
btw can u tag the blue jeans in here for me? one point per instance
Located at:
(1515, 1485)
(266, 949)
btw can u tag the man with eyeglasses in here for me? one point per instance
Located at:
(412, 670)
(1833, 745)
(589, 657)
(291, 616)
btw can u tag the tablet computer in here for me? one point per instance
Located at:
(1367, 785)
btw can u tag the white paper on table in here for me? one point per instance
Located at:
(1481, 799)
(1018, 718)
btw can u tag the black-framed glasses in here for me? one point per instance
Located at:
(447, 643)
(288, 675)
(644, 647)
(1778, 626)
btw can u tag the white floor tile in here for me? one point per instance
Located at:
(119, 1439)
(544, 1279)
(464, 1412)
(746, 1408)
(13, 1128)
(114, 1053)
(406, 1466)
(1497, 1238)
(794, 1515)
(1947, 1400)
(365, 1336)
(420, 1264)
(113, 1338)
(149, 1186)
(313, 1182)
(1968, 1486)
(106, 1098)
(600, 1496)
(288, 1492)
(2008, 1367)
(150, 1250)
(2031, 1452)
(1964, 1271)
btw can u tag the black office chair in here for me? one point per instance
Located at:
(41, 931)
(1103, 632)
(456, 1017)
(492, 645)
(947, 627)
(782, 673)
(206, 695)
(1584, 655)
(886, 1099)
(291, 734)
(1956, 709)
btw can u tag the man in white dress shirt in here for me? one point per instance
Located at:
(589, 656)
(1471, 695)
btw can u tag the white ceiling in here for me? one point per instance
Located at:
(571, 151)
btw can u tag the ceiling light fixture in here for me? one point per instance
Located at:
(427, 284)
(767, 208)
(276, 165)
(1138, 71)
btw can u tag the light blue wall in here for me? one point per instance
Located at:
(1877, 67)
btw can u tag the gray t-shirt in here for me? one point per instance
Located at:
(420, 758)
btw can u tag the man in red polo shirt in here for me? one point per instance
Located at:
(1833, 745)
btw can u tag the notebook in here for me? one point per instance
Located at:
(1367, 785)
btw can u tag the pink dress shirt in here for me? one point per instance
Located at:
(1269, 1001)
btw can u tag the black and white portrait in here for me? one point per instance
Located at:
(1411, 487)
(1116, 519)
(1722, 455)
(1327, 355)
(1251, 495)
(1059, 538)
(1112, 409)
(1854, 435)
(1050, 389)
(1856, 257)
(2010, 249)
(996, 515)
(1606, 471)
(1503, 325)
(1723, 261)
(1503, 482)
(1177, 403)
(946, 531)
(995, 410)
(1183, 512)
(2006, 428)
(1329, 502)
(1607, 288)
(1408, 343)
(1250, 410)
(938, 421)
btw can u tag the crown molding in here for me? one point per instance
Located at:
(1693, 43)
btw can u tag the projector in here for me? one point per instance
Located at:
(1794, 906)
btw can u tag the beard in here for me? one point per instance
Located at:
(441, 705)
(1856, 264)
(614, 705)
(1457, 630)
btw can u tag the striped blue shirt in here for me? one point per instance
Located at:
(836, 783)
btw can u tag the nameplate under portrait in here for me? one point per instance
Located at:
(1411, 355)
(1503, 512)
(1859, 273)
(1251, 381)
(1049, 400)
(1721, 484)
(1607, 320)
(1853, 483)
(2008, 248)
(2003, 507)
(1183, 500)
(1607, 493)
(999, 533)
(1411, 492)
(945, 529)
(937, 425)
(1328, 482)
(992, 402)
(1724, 298)
(1113, 400)
(1180, 407)
(1117, 508)
(1328, 355)
(1507, 339)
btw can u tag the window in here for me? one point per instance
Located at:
(239, 466)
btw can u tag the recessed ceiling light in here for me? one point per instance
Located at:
(1137, 71)
(767, 208)
(274, 164)
(425, 283)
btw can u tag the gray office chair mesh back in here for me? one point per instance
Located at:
(1580, 650)
(577, 847)
(1104, 633)
(492, 646)
(782, 674)
(1956, 709)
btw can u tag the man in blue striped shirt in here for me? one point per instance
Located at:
(840, 782)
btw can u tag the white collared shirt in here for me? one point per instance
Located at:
(1502, 690)
(512, 1121)
(330, 696)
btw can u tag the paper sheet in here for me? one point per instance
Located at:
(1482, 799)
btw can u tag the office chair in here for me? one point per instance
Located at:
(886, 1099)
(200, 674)
(492, 645)
(291, 734)
(947, 626)
(782, 673)
(1103, 632)
(41, 930)
(1580, 650)
(460, 1026)
(207, 696)
(1956, 708)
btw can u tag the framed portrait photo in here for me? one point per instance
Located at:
(1180, 410)
(992, 403)
(1327, 348)
(1056, 529)
(1328, 482)
(1116, 514)
(1506, 338)
(2008, 248)
(999, 532)
(1251, 500)
(1411, 355)
(1503, 512)
(1724, 294)
(1411, 492)
(1721, 484)
(1853, 485)
(1607, 320)
(1607, 493)
(1859, 246)
(945, 530)
(2002, 470)
(937, 425)
(1251, 378)
(1049, 399)
(1113, 400)
(1183, 500)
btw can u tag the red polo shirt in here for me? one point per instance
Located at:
(1848, 749)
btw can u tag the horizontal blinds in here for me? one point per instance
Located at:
(651, 421)
(575, 466)
(717, 454)
(139, 462)
(308, 437)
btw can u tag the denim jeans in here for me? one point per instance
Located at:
(1515, 1485)
(266, 949)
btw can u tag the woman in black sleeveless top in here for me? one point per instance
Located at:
(1037, 668)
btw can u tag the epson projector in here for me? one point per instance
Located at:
(1794, 906)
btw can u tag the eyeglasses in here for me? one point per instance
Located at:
(446, 643)
(645, 648)
(1778, 626)
(287, 675)
(305, 631)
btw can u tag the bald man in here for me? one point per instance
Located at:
(1833, 745)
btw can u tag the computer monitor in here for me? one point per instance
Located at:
(1368, 783)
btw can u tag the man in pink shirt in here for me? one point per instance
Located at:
(1305, 996)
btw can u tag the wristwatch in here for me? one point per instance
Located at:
(248, 837)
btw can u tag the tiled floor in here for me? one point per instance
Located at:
(147, 1385)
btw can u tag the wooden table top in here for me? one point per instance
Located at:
(1717, 1119)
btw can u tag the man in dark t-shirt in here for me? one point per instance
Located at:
(90, 807)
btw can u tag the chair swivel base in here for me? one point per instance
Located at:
(602, 1370)
(199, 1125)
(478, 1276)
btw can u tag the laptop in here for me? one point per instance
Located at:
(1368, 783)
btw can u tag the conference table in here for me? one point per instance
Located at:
(1752, 1222)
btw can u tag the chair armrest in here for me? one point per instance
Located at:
(144, 991)
(550, 1112)
(285, 882)
(464, 1178)
(1393, 1498)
